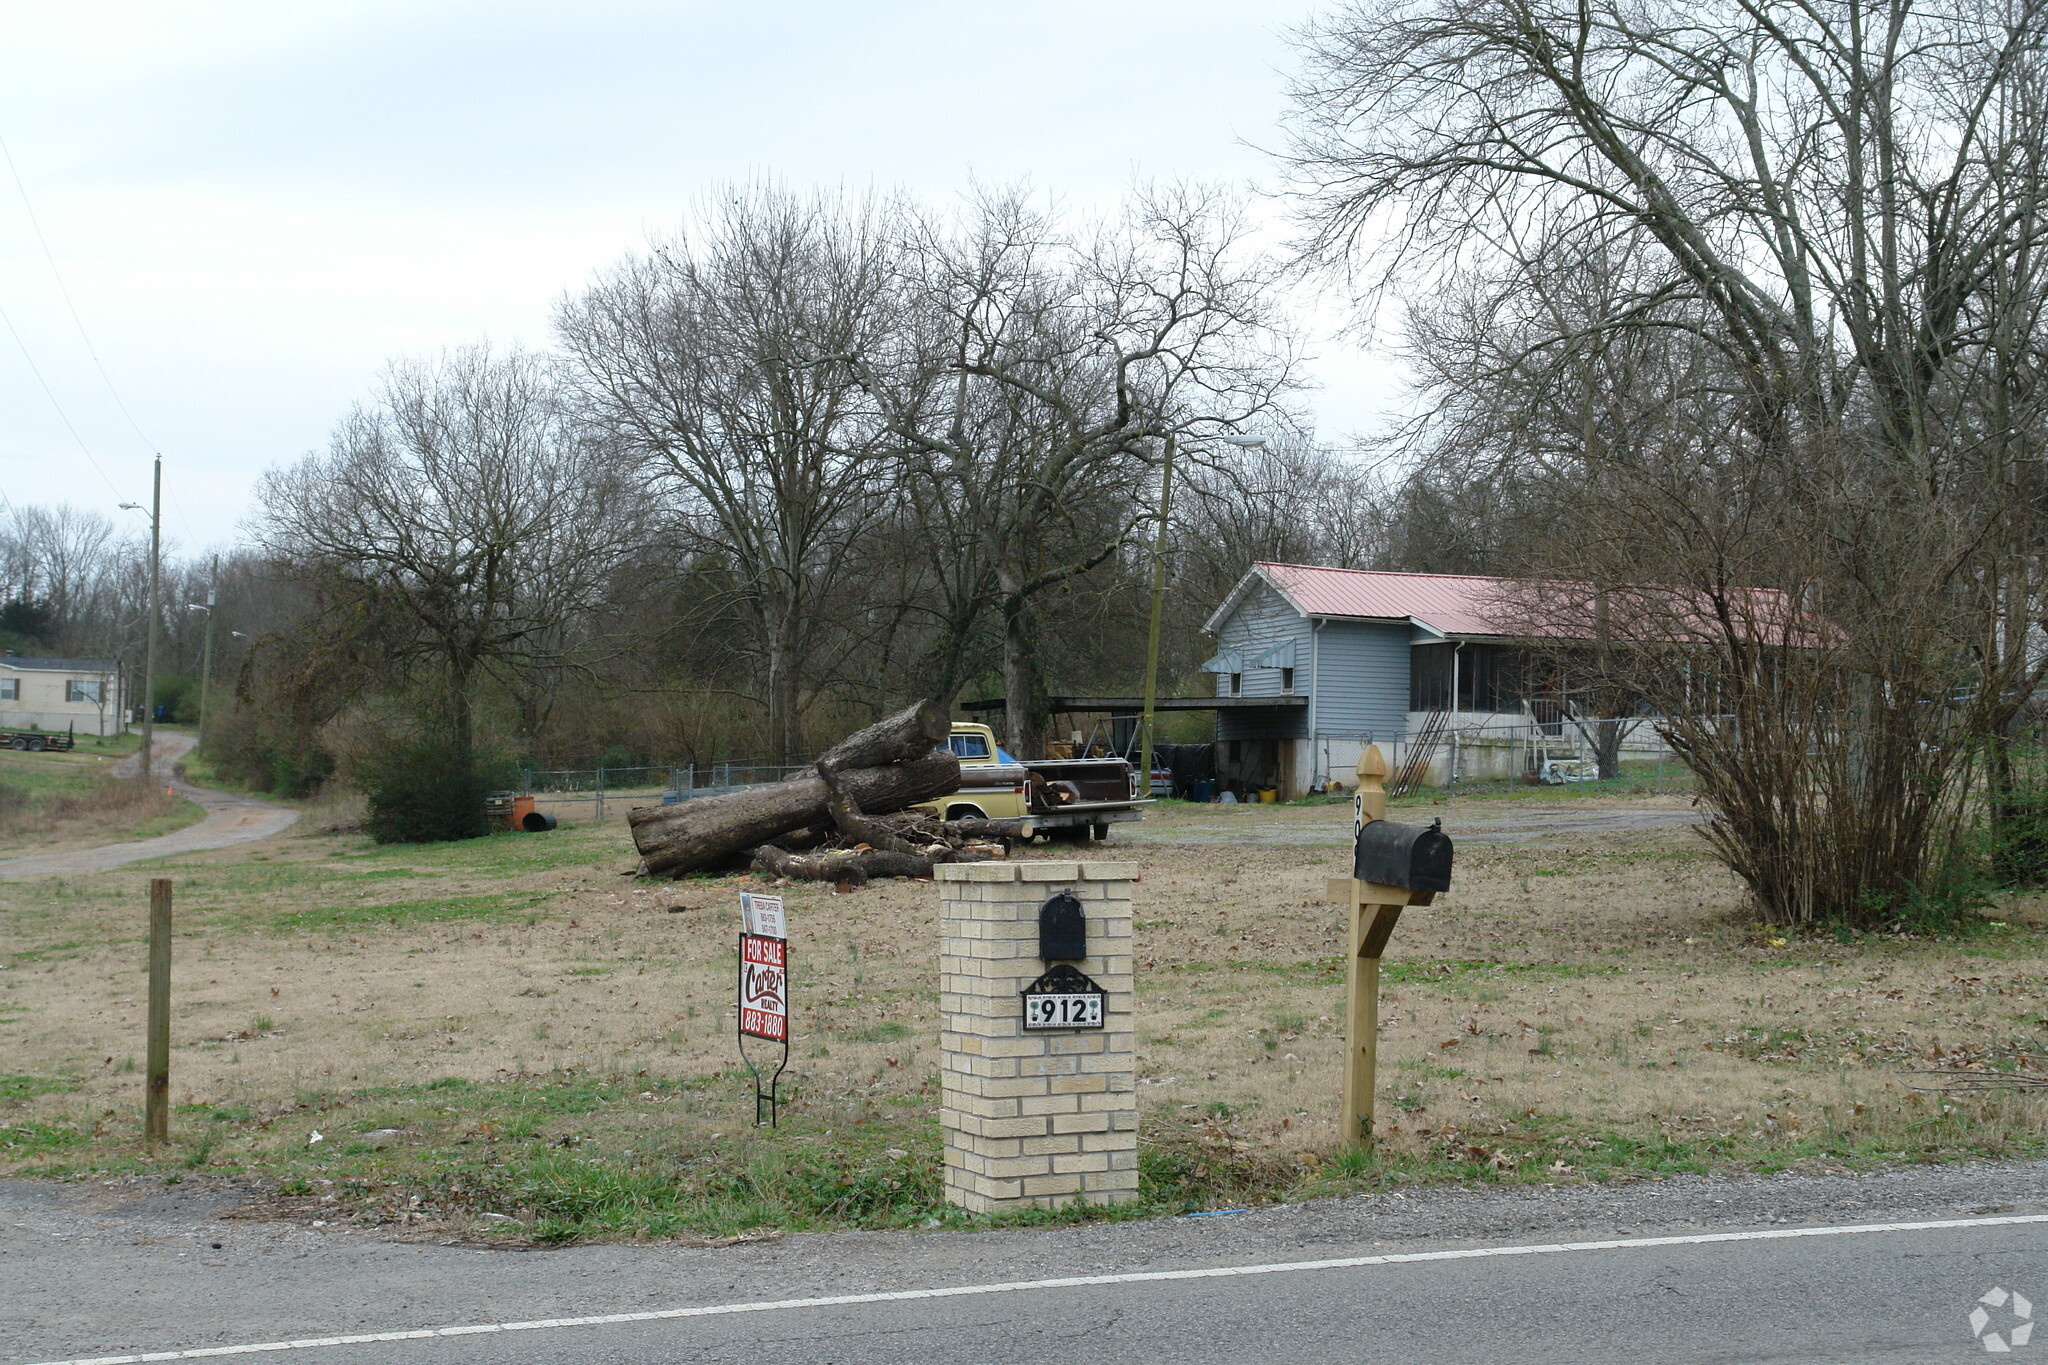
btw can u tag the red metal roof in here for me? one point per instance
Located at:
(1456, 604)
(1469, 604)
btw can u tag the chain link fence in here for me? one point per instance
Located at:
(615, 790)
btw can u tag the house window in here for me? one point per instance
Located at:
(1286, 680)
(10, 689)
(82, 689)
(1237, 684)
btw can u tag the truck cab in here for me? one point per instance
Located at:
(1088, 794)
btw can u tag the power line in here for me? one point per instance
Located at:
(50, 258)
(71, 306)
(51, 394)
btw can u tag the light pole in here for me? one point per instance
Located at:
(156, 545)
(206, 650)
(1158, 600)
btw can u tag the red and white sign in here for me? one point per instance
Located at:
(764, 987)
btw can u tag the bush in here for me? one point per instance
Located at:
(425, 791)
(2019, 823)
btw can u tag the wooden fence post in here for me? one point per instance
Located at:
(156, 1110)
(1372, 912)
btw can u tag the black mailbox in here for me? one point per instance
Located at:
(1412, 857)
(1062, 929)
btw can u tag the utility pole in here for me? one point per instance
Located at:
(156, 547)
(1158, 605)
(206, 651)
(1152, 639)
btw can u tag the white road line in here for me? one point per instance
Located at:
(1068, 1282)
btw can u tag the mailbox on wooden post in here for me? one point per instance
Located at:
(1392, 866)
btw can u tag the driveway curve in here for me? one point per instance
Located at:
(230, 820)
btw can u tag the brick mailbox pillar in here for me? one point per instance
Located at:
(1035, 1117)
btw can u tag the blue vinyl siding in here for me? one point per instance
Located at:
(1361, 682)
(1356, 673)
(1262, 620)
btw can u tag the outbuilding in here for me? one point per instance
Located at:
(84, 696)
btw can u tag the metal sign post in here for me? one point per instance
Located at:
(764, 993)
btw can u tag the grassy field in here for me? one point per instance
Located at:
(514, 1038)
(50, 802)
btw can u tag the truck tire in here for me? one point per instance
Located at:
(963, 811)
(18, 742)
(35, 746)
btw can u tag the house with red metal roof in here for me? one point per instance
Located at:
(1429, 666)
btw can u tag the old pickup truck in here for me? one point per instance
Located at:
(1082, 795)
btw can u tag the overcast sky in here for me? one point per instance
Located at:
(255, 205)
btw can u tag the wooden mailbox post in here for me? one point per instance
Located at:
(1374, 909)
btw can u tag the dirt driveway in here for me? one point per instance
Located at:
(229, 820)
(1466, 821)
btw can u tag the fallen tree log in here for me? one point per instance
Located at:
(891, 764)
(911, 733)
(853, 868)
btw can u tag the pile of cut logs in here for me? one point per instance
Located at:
(845, 819)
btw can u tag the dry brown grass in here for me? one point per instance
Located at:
(1608, 986)
(96, 807)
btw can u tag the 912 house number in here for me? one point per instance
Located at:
(1080, 1010)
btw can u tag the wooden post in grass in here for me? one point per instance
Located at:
(1372, 912)
(156, 1106)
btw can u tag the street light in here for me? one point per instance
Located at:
(1158, 599)
(156, 546)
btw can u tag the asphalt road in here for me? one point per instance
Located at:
(229, 820)
(1695, 1270)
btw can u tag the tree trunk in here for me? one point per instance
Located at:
(889, 765)
(852, 868)
(1607, 736)
(911, 733)
(706, 831)
(1024, 700)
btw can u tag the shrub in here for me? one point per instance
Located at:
(2019, 824)
(425, 790)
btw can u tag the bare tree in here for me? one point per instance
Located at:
(1828, 223)
(1031, 397)
(464, 511)
(719, 361)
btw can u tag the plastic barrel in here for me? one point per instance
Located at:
(536, 822)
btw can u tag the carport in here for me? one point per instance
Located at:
(1242, 765)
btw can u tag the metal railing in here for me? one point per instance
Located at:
(1555, 749)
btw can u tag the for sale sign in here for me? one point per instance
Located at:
(764, 987)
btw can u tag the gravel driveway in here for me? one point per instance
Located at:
(229, 820)
(1246, 826)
